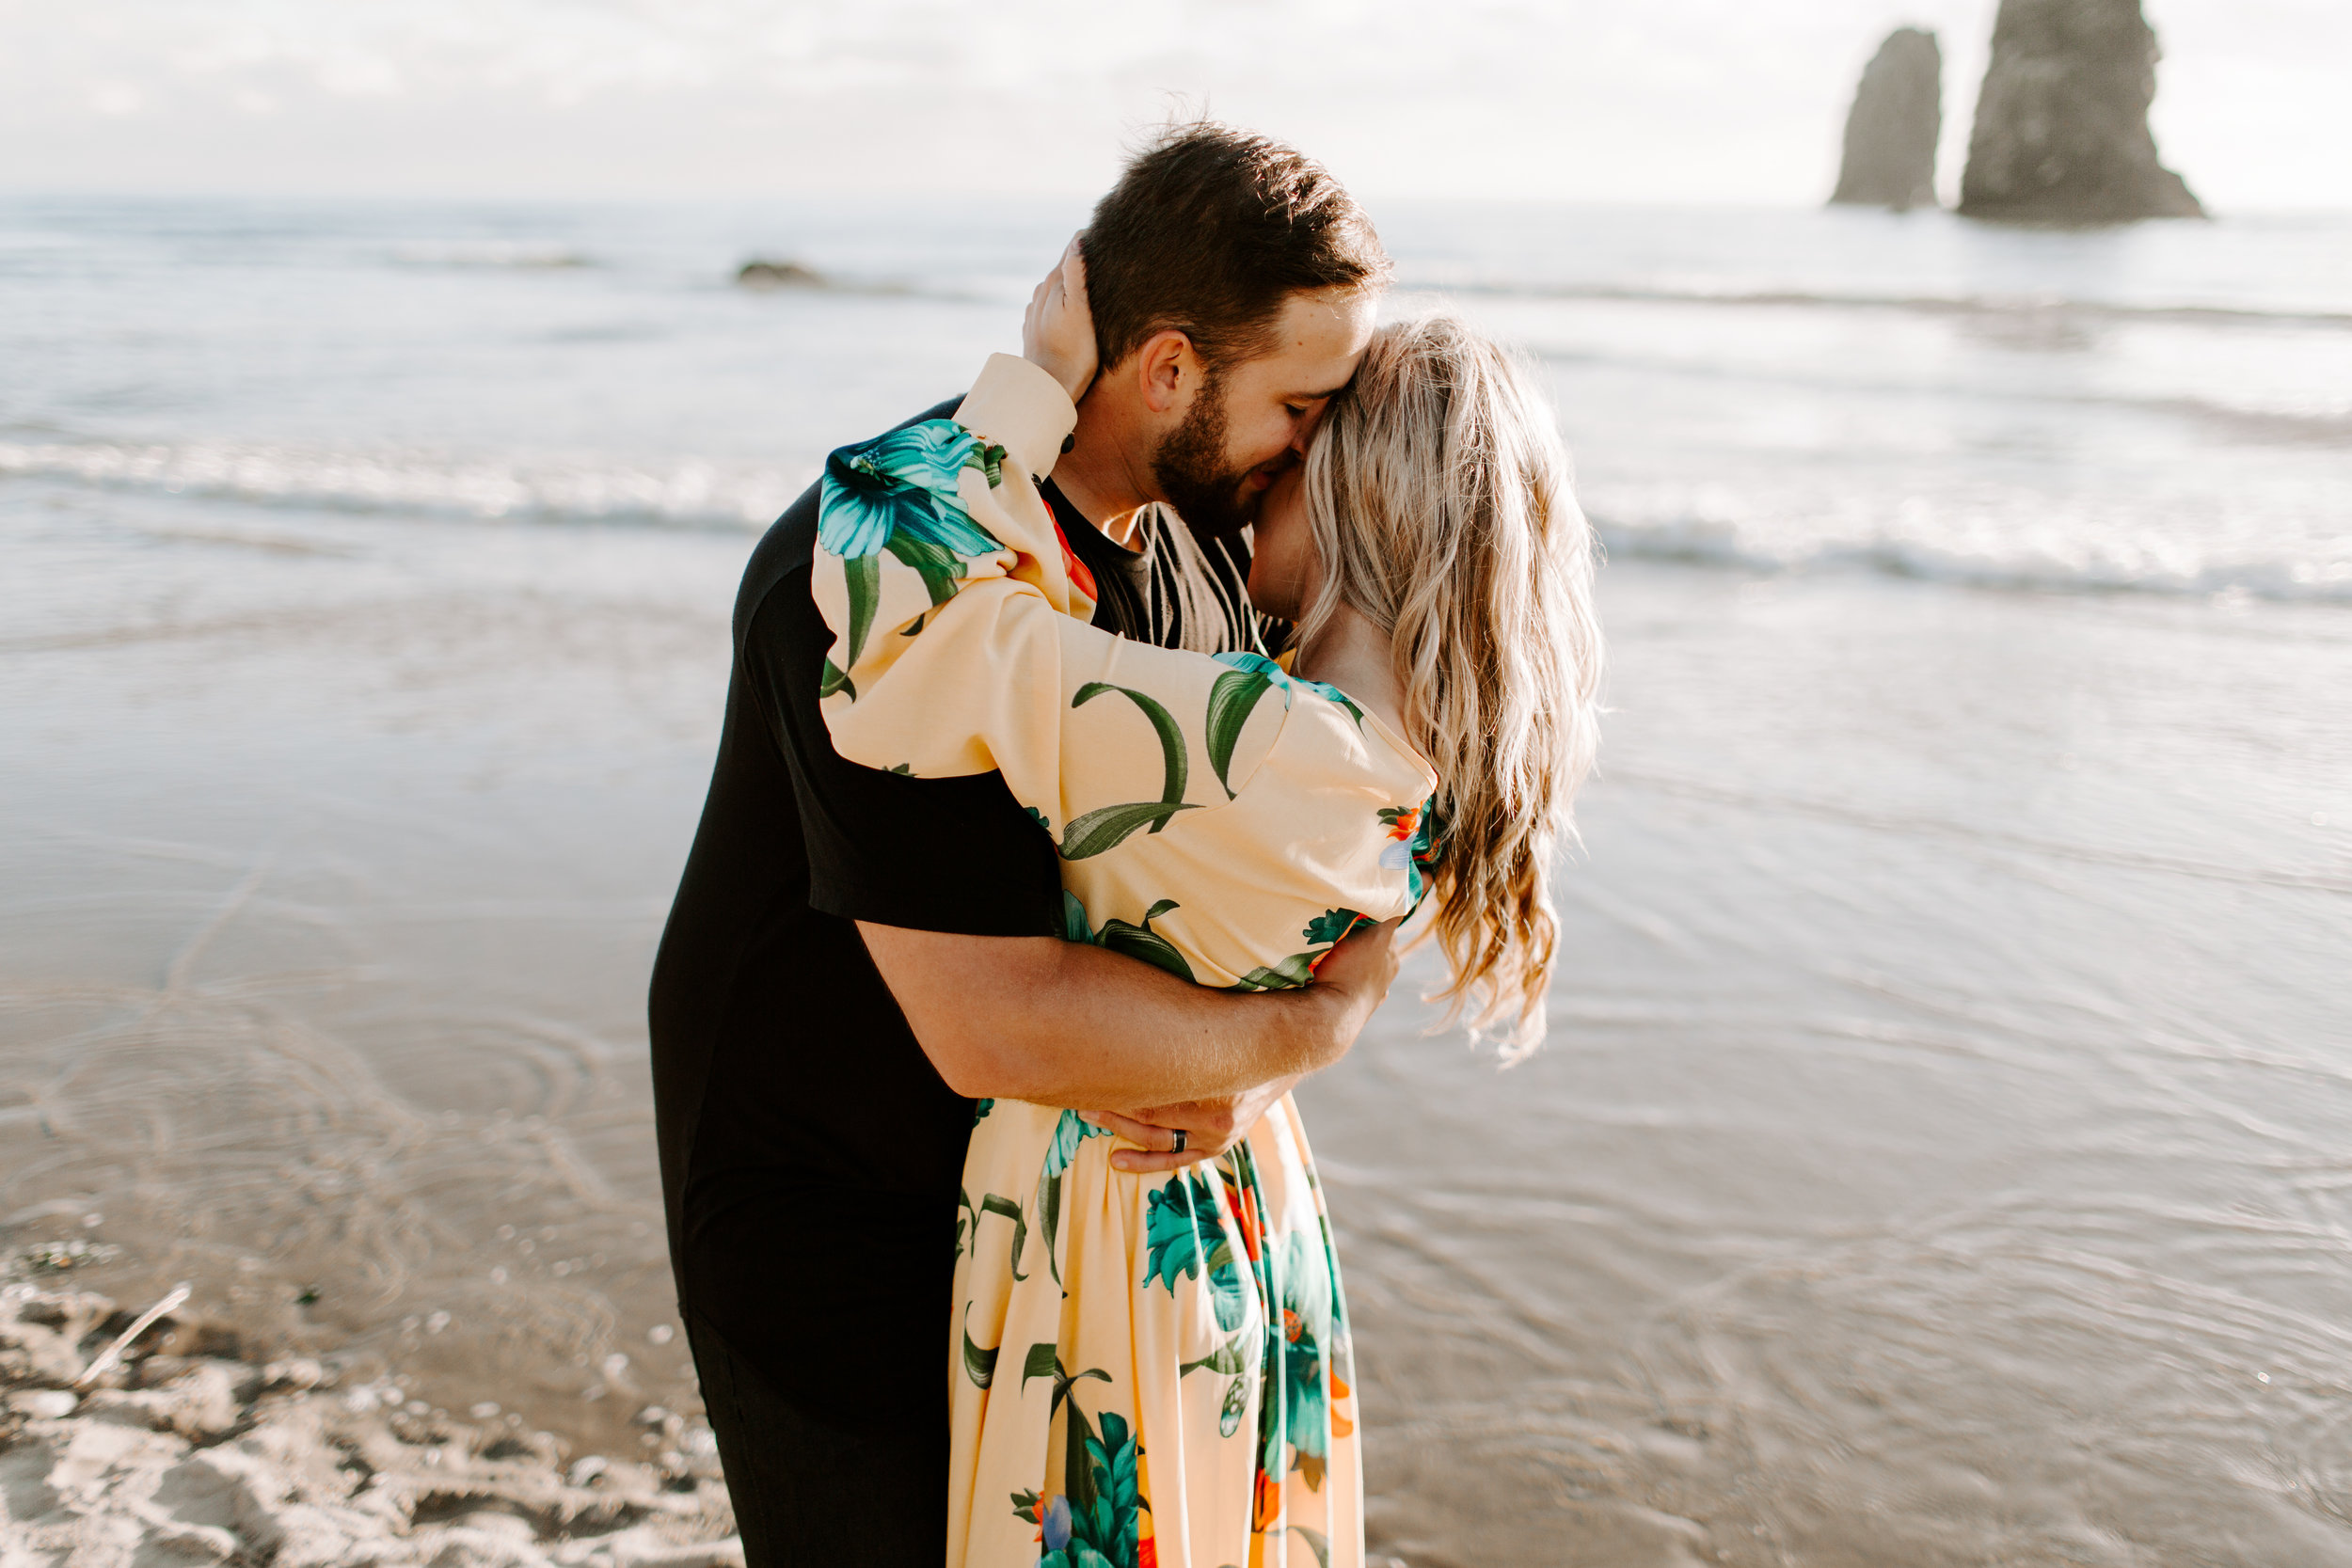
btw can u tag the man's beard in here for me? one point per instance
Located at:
(1189, 468)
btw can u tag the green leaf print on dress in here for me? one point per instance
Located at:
(1045, 1360)
(1232, 700)
(1317, 1542)
(992, 1203)
(1298, 969)
(1094, 1526)
(897, 493)
(1330, 926)
(1236, 695)
(979, 1362)
(1108, 827)
(1119, 936)
(1291, 972)
(1284, 681)
(1068, 1133)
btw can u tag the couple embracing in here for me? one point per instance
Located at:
(1031, 881)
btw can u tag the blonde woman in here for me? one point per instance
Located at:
(1155, 1370)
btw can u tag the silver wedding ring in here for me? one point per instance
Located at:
(1182, 1137)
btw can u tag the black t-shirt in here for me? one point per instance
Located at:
(810, 1153)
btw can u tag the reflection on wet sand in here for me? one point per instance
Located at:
(333, 1007)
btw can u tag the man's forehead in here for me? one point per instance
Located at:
(1322, 334)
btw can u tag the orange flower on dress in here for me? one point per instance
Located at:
(1244, 1203)
(1404, 824)
(1341, 1425)
(1270, 1507)
(1147, 1547)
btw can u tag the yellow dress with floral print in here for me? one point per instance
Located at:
(1147, 1369)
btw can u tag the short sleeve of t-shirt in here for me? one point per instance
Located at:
(956, 855)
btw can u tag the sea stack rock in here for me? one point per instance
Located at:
(1891, 132)
(2061, 132)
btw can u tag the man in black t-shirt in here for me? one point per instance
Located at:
(854, 956)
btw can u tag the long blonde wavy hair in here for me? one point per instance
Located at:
(1437, 493)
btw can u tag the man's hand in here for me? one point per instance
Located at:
(1358, 972)
(1057, 333)
(1209, 1126)
(1361, 969)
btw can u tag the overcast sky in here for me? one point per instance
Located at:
(1689, 100)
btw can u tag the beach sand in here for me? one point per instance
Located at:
(175, 1448)
(1933, 1155)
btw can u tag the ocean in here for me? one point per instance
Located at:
(1937, 1154)
(2163, 408)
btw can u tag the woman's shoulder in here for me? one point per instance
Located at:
(1326, 734)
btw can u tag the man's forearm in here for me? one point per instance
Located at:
(1064, 1023)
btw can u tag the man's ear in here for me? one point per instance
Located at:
(1166, 371)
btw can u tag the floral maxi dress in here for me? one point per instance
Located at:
(1147, 1369)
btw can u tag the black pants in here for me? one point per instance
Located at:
(807, 1492)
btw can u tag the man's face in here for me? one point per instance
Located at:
(1246, 425)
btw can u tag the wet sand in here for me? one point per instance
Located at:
(1935, 1158)
(342, 850)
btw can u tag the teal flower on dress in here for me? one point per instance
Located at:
(1185, 1234)
(897, 493)
(1068, 1133)
(901, 486)
(1299, 1404)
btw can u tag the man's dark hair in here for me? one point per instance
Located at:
(1209, 232)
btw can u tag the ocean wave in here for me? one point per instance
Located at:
(2312, 424)
(2034, 565)
(690, 492)
(525, 255)
(2308, 421)
(2007, 308)
(1635, 523)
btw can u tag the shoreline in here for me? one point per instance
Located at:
(186, 1446)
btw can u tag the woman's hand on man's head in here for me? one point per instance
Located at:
(1057, 330)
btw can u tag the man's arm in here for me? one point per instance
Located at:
(1060, 1023)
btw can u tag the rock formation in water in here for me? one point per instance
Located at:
(759, 273)
(1891, 130)
(2061, 132)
